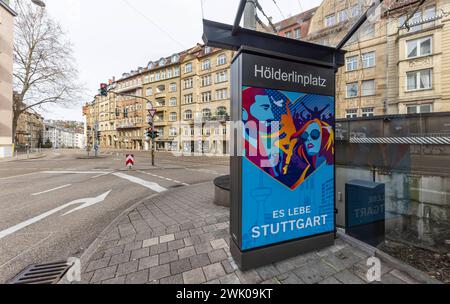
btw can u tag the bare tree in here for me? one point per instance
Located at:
(44, 66)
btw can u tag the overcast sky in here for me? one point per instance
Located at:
(111, 37)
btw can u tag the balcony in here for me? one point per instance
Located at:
(121, 126)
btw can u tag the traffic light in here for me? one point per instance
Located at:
(103, 89)
(148, 133)
(155, 134)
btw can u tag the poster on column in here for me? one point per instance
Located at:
(287, 146)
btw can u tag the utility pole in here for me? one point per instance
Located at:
(250, 15)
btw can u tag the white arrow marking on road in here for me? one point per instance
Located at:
(153, 186)
(87, 202)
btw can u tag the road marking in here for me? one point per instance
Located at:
(150, 185)
(165, 178)
(11, 177)
(75, 172)
(203, 171)
(100, 175)
(86, 203)
(54, 189)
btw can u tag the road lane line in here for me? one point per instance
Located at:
(100, 175)
(22, 175)
(165, 178)
(150, 185)
(75, 172)
(54, 189)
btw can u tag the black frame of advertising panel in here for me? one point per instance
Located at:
(271, 47)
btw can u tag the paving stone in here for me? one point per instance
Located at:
(132, 246)
(230, 279)
(330, 281)
(168, 257)
(180, 266)
(127, 268)
(148, 262)
(214, 271)
(267, 272)
(195, 231)
(175, 245)
(194, 276)
(139, 277)
(199, 260)
(104, 274)
(285, 266)
(289, 278)
(159, 272)
(158, 249)
(140, 253)
(120, 258)
(347, 277)
(150, 242)
(272, 281)
(181, 235)
(175, 279)
(404, 277)
(113, 251)
(218, 244)
(341, 260)
(248, 277)
(229, 265)
(166, 238)
(217, 255)
(186, 252)
(98, 264)
(213, 282)
(115, 281)
(314, 272)
(390, 279)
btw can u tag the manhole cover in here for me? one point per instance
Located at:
(49, 273)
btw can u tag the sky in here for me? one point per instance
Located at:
(111, 37)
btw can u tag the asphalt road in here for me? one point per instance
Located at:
(53, 208)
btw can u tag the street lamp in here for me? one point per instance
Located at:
(39, 3)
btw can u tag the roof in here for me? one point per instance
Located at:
(7, 8)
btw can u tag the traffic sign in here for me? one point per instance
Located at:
(129, 161)
(152, 112)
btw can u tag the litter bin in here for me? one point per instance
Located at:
(365, 211)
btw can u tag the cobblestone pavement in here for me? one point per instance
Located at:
(182, 237)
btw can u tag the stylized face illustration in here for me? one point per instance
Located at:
(312, 139)
(262, 110)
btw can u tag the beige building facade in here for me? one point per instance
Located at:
(30, 130)
(6, 79)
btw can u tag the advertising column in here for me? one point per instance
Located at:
(282, 166)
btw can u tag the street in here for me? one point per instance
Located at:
(54, 207)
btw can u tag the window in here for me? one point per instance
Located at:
(351, 113)
(152, 77)
(206, 65)
(169, 73)
(173, 116)
(367, 31)
(161, 102)
(173, 102)
(430, 14)
(298, 33)
(188, 115)
(160, 89)
(221, 94)
(356, 11)
(221, 59)
(417, 109)
(418, 47)
(188, 98)
(342, 16)
(330, 20)
(352, 90)
(146, 78)
(221, 76)
(419, 80)
(149, 92)
(206, 113)
(207, 50)
(157, 76)
(188, 83)
(163, 75)
(221, 111)
(368, 60)
(173, 131)
(188, 68)
(206, 97)
(206, 80)
(352, 63)
(176, 71)
(173, 87)
(368, 88)
(367, 112)
(287, 34)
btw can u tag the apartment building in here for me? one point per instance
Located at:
(184, 88)
(161, 85)
(29, 130)
(297, 26)
(6, 79)
(205, 106)
(62, 138)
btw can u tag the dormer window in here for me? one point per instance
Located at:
(175, 58)
(162, 62)
(150, 65)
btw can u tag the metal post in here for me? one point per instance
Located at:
(153, 152)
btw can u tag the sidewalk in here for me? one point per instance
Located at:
(23, 157)
(181, 237)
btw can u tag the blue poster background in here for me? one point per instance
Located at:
(294, 198)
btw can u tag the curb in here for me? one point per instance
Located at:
(86, 256)
(30, 158)
(410, 270)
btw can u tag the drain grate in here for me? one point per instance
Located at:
(49, 273)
